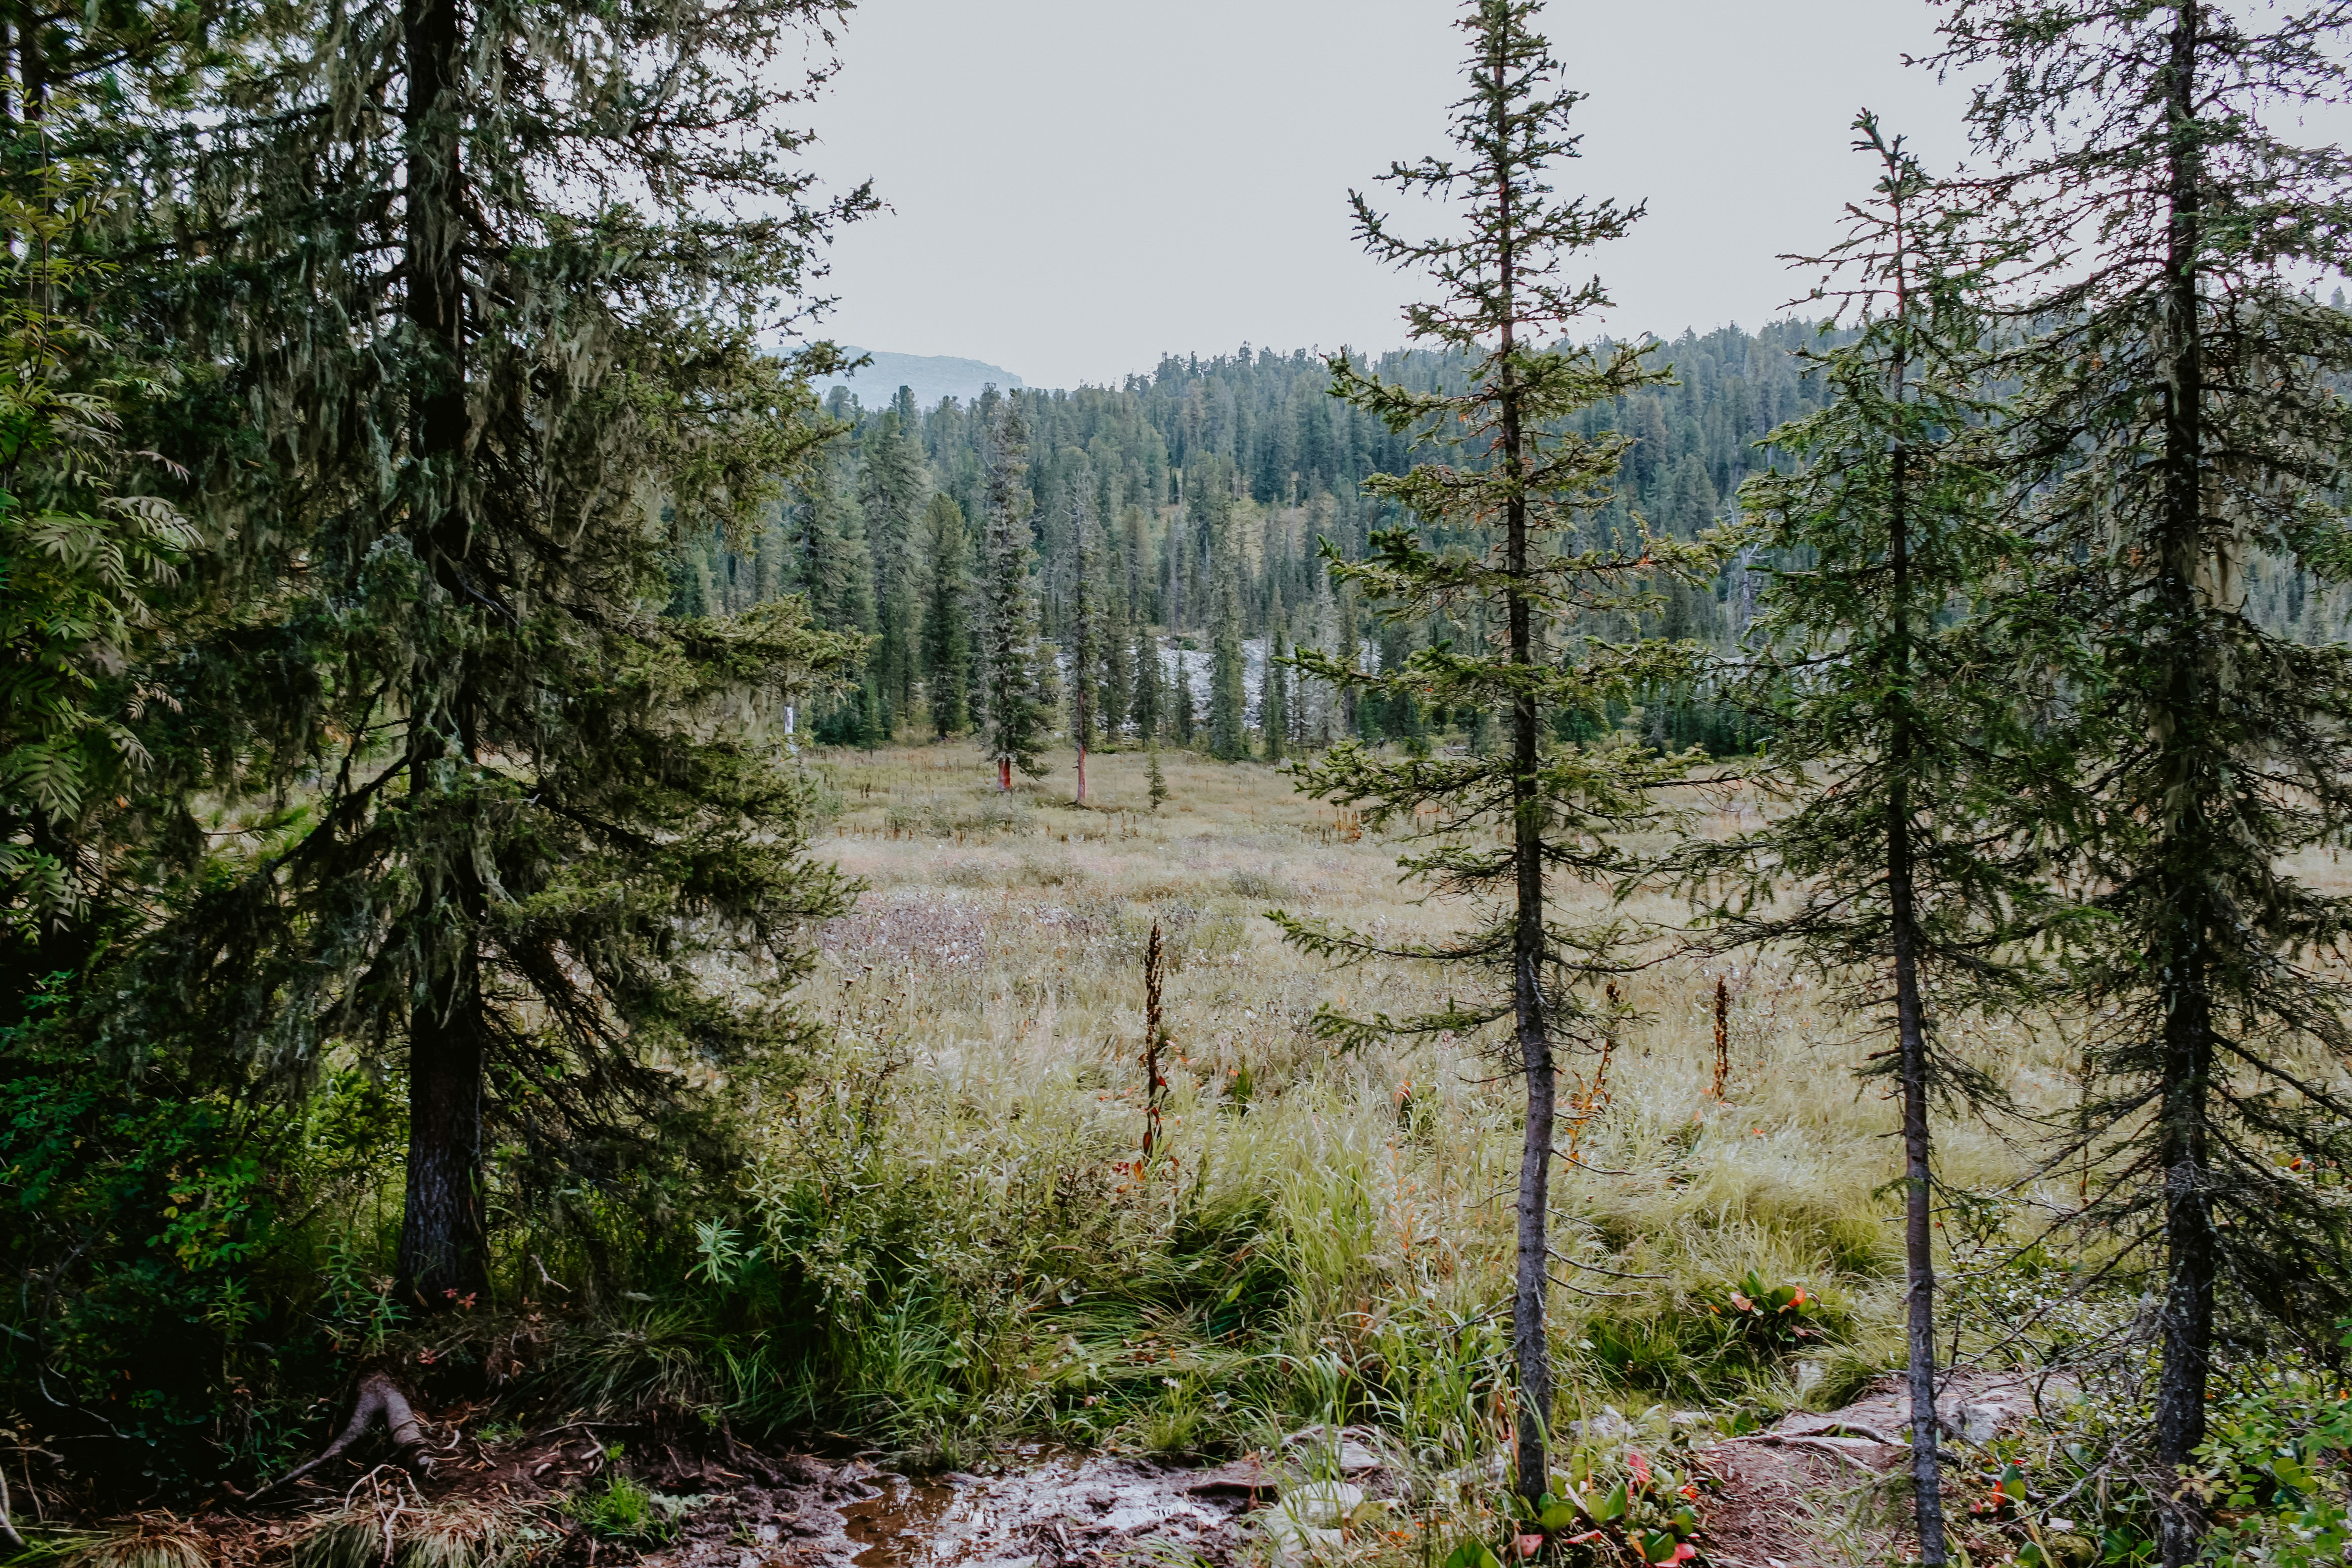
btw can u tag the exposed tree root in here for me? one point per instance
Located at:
(379, 1400)
(8, 1536)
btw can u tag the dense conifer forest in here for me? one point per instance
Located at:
(1232, 467)
(1276, 465)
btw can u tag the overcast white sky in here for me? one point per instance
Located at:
(1078, 185)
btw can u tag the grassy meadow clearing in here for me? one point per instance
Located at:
(1320, 1232)
(937, 1242)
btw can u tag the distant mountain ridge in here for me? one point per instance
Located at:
(930, 377)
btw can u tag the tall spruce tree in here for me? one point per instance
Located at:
(1015, 682)
(892, 490)
(947, 640)
(1149, 685)
(1228, 691)
(1171, 571)
(1184, 709)
(528, 808)
(2180, 426)
(1135, 557)
(1275, 706)
(1115, 679)
(1529, 483)
(1088, 627)
(1910, 858)
(826, 560)
(1348, 640)
(1317, 703)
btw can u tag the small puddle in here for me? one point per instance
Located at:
(900, 1528)
(1047, 1512)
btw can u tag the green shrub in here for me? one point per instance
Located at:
(168, 1324)
(626, 1512)
(2273, 1467)
(1769, 1320)
(1727, 1340)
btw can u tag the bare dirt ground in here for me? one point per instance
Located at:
(1814, 1491)
(736, 1507)
(1798, 1495)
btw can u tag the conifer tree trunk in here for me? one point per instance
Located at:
(1529, 1345)
(2182, 402)
(2181, 955)
(1530, 473)
(442, 1255)
(1918, 1233)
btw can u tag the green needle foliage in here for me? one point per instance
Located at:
(2179, 429)
(1910, 858)
(1228, 688)
(1144, 702)
(892, 490)
(1277, 701)
(1016, 696)
(1090, 631)
(1525, 492)
(81, 568)
(489, 340)
(945, 640)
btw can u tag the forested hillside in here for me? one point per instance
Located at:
(1240, 466)
(1235, 467)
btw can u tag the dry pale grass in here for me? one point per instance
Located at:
(1001, 943)
(146, 1540)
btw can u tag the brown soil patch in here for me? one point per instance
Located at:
(1790, 1494)
(749, 1509)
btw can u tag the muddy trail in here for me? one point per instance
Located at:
(1781, 1498)
(1043, 1511)
(597, 1495)
(1046, 1511)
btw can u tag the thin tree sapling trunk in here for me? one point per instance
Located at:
(1529, 1345)
(1526, 478)
(1918, 1226)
